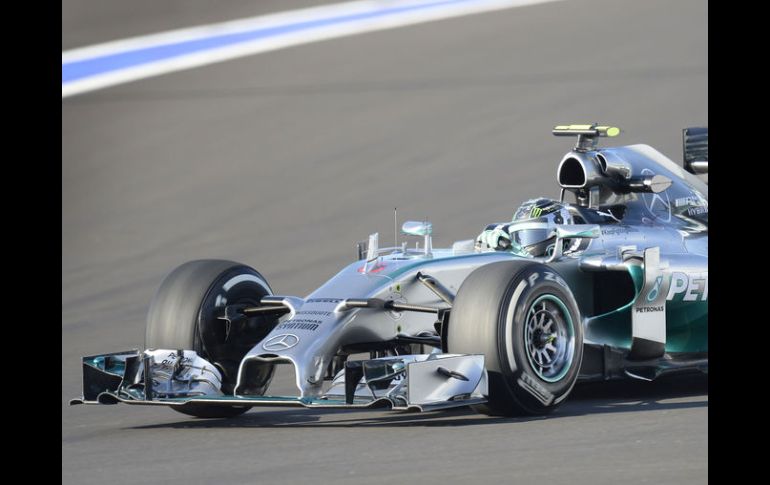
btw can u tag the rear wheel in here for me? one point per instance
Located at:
(183, 315)
(522, 316)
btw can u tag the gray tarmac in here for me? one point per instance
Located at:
(284, 160)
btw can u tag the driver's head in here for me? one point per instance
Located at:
(533, 225)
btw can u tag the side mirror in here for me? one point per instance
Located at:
(417, 228)
(652, 184)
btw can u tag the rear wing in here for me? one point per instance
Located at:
(695, 144)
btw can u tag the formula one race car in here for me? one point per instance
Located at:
(612, 285)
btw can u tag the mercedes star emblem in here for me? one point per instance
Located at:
(281, 342)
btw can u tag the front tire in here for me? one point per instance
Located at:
(523, 317)
(183, 315)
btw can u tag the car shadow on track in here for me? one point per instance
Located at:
(586, 399)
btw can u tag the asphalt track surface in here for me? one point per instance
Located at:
(285, 159)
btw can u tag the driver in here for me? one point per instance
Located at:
(531, 232)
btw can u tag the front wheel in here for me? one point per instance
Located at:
(183, 315)
(523, 317)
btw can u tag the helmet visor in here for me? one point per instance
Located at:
(528, 237)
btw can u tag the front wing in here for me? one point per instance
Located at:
(408, 382)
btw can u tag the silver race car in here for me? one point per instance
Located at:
(612, 284)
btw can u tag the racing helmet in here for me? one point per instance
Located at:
(533, 226)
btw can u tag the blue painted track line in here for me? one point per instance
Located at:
(77, 70)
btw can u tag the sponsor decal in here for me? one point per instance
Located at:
(617, 231)
(648, 320)
(314, 312)
(532, 278)
(653, 293)
(308, 320)
(693, 205)
(690, 200)
(171, 359)
(549, 276)
(648, 309)
(614, 231)
(536, 212)
(689, 286)
(300, 324)
(529, 384)
(280, 342)
(555, 278)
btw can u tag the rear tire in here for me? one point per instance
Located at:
(523, 317)
(182, 316)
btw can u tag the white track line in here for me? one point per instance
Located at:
(332, 21)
